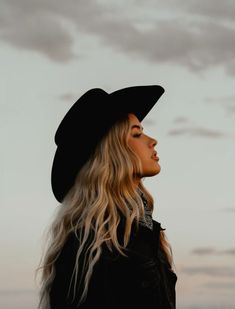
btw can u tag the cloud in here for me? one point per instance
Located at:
(42, 26)
(192, 42)
(220, 285)
(203, 251)
(68, 97)
(212, 251)
(197, 131)
(227, 102)
(222, 101)
(231, 109)
(229, 209)
(213, 271)
(30, 25)
(181, 119)
(222, 10)
(229, 251)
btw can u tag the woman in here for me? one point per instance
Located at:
(105, 250)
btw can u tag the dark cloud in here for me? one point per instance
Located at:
(45, 27)
(197, 131)
(212, 251)
(212, 271)
(30, 25)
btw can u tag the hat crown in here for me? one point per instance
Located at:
(71, 121)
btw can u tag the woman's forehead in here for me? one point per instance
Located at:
(132, 118)
(134, 121)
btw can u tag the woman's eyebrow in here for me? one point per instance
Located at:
(137, 126)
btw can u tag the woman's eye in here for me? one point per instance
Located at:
(137, 135)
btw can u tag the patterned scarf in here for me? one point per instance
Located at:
(147, 220)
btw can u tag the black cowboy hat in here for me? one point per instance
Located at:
(87, 121)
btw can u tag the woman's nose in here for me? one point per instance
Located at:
(153, 142)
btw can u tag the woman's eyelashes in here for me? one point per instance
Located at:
(137, 135)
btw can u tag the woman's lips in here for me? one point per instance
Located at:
(155, 157)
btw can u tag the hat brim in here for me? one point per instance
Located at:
(138, 100)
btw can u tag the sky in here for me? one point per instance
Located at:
(51, 52)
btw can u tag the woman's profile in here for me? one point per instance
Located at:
(104, 248)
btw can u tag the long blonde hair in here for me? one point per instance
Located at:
(103, 191)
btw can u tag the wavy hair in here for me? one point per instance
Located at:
(103, 192)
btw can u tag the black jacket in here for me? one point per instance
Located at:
(141, 280)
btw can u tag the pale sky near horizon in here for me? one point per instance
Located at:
(51, 53)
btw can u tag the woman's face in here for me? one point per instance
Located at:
(143, 145)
